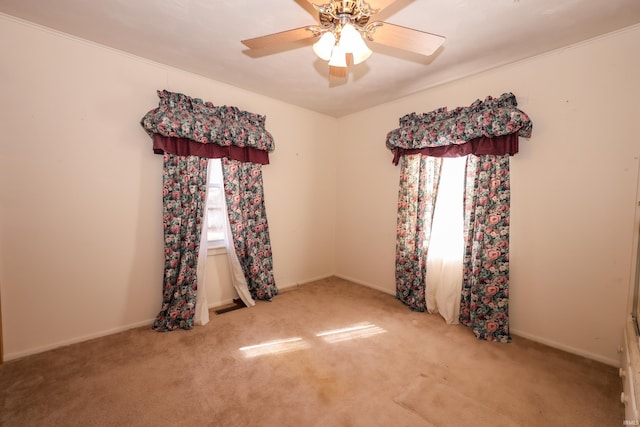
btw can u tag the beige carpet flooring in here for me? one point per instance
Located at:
(329, 353)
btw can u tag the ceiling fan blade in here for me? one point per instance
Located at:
(336, 73)
(289, 36)
(341, 72)
(308, 6)
(407, 38)
(379, 5)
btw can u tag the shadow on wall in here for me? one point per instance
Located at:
(144, 290)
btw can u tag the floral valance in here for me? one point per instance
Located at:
(485, 124)
(189, 126)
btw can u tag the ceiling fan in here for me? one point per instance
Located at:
(343, 27)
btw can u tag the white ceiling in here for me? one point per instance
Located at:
(203, 36)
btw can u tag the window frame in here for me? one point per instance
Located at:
(215, 181)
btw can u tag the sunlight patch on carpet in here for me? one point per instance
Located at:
(274, 347)
(360, 330)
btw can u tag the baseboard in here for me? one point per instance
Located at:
(569, 349)
(368, 285)
(220, 303)
(547, 342)
(292, 286)
(18, 355)
(550, 343)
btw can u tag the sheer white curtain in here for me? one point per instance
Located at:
(235, 269)
(202, 306)
(237, 276)
(443, 280)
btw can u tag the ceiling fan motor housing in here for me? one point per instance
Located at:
(337, 13)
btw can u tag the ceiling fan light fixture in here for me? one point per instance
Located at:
(324, 46)
(344, 27)
(353, 43)
(338, 57)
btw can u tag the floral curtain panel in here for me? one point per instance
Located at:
(419, 176)
(188, 131)
(184, 181)
(484, 306)
(244, 193)
(487, 132)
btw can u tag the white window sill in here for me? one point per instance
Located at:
(216, 250)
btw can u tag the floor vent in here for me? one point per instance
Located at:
(237, 304)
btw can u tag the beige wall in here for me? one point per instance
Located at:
(80, 189)
(573, 190)
(220, 290)
(80, 231)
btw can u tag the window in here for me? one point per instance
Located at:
(216, 223)
(443, 280)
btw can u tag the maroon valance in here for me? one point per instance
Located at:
(187, 147)
(497, 146)
(184, 125)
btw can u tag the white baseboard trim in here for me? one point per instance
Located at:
(220, 303)
(368, 285)
(291, 286)
(569, 349)
(532, 337)
(550, 343)
(35, 350)
(149, 322)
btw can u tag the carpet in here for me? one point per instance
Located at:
(326, 354)
(443, 405)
